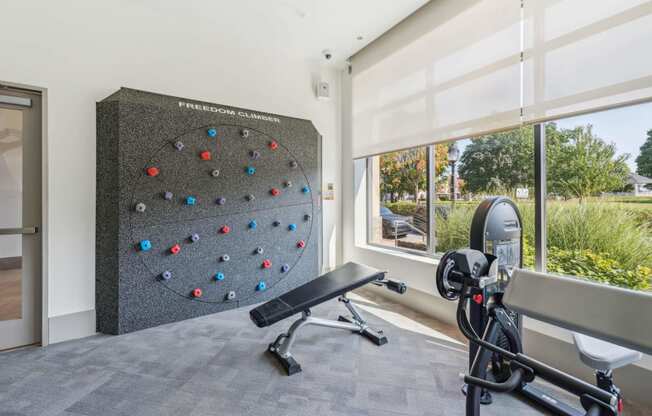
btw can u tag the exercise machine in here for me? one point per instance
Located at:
(334, 284)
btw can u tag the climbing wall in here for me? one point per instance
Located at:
(200, 208)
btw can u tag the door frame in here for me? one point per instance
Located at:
(45, 211)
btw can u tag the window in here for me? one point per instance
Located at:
(599, 204)
(398, 202)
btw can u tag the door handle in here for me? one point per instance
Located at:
(14, 231)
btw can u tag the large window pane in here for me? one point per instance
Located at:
(398, 199)
(468, 171)
(599, 208)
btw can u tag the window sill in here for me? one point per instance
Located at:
(421, 258)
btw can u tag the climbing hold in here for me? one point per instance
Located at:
(220, 201)
(301, 244)
(273, 145)
(215, 173)
(260, 250)
(145, 245)
(194, 238)
(225, 257)
(153, 171)
(253, 224)
(307, 217)
(179, 146)
(293, 164)
(250, 170)
(288, 184)
(196, 293)
(230, 295)
(175, 249)
(205, 155)
(166, 275)
(244, 133)
(285, 268)
(167, 195)
(261, 286)
(225, 229)
(211, 132)
(292, 227)
(267, 263)
(255, 154)
(250, 197)
(276, 223)
(140, 207)
(274, 192)
(191, 200)
(305, 189)
(219, 276)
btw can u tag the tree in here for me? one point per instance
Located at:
(404, 173)
(644, 159)
(580, 164)
(499, 162)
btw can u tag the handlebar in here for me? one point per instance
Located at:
(393, 285)
(514, 381)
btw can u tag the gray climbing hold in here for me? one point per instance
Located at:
(294, 164)
(244, 133)
(230, 295)
(194, 238)
(250, 197)
(260, 250)
(168, 195)
(255, 154)
(307, 217)
(276, 223)
(220, 201)
(215, 173)
(140, 207)
(166, 275)
(225, 257)
(285, 268)
(288, 184)
(179, 146)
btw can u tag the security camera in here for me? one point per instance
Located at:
(327, 54)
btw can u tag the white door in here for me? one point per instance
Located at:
(20, 218)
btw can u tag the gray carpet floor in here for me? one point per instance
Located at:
(217, 365)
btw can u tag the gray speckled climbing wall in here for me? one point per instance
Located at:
(200, 208)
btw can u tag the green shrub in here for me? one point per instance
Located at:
(406, 208)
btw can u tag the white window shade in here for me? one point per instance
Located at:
(585, 55)
(459, 76)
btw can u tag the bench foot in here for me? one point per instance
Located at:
(377, 337)
(289, 364)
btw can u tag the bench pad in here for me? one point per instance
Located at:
(335, 283)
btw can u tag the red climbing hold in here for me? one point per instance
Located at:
(205, 155)
(225, 229)
(301, 244)
(196, 293)
(153, 171)
(275, 192)
(175, 249)
(273, 145)
(477, 298)
(267, 263)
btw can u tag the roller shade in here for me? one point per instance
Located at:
(585, 55)
(452, 69)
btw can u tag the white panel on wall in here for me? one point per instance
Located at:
(581, 55)
(459, 77)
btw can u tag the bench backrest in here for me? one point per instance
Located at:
(613, 314)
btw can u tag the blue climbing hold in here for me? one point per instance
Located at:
(285, 268)
(261, 286)
(219, 276)
(211, 132)
(305, 189)
(145, 245)
(250, 170)
(191, 200)
(292, 227)
(253, 224)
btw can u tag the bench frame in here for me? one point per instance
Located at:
(281, 348)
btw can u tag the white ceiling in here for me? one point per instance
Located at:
(303, 28)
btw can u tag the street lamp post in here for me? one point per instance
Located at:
(453, 156)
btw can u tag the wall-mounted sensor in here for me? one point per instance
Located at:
(323, 91)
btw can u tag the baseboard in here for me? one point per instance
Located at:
(71, 326)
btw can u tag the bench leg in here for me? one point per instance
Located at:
(375, 336)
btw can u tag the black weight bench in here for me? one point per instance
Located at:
(335, 283)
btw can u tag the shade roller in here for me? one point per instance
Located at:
(452, 69)
(584, 55)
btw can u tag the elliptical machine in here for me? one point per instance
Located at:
(477, 277)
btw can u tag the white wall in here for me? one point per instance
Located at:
(84, 51)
